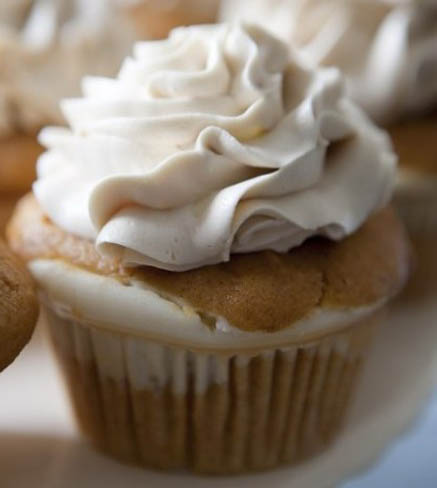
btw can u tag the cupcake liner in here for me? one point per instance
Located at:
(169, 407)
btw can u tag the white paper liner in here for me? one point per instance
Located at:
(165, 407)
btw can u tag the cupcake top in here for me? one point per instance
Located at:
(18, 306)
(216, 141)
(46, 47)
(317, 286)
(387, 48)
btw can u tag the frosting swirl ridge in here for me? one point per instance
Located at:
(215, 141)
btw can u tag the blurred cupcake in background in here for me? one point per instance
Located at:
(388, 51)
(18, 306)
(154, 19)
(46, 46)
(214, 246)
(385, 48)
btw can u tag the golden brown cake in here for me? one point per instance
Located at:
(18, 306)
(214, 247)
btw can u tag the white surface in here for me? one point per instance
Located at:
(39, 446)
(410, 462)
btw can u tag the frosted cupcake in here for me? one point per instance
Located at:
(154, 19)
(213, 249)
(388, 50)
(46, 48)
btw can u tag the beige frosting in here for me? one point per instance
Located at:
(387, 48)
(215, 141)
(46, 46)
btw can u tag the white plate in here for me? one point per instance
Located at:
(39, 446)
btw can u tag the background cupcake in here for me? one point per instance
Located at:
(387, 50)
(18, 306)
(46, 47)
(213, 251)
(154, 19)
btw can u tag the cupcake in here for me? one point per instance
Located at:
(387, 49)
(46, 48)
(18, 306)
(154, 19)
(214, 248)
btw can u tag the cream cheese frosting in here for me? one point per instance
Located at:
(387, 48)
(46, 46)
(215, 141)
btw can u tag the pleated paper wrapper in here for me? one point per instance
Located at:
(171, 407)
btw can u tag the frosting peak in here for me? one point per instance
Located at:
(215, 141)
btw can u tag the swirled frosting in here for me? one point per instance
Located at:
(46, 46)
(215, 141)
(387, 48)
